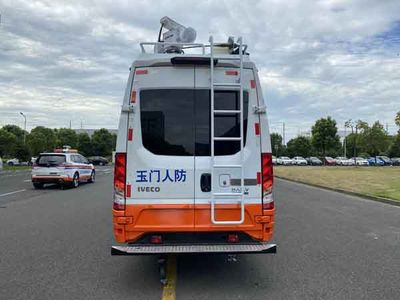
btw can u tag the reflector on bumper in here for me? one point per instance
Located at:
(204, 248)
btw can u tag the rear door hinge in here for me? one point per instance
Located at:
(128, 108)
(259, 109)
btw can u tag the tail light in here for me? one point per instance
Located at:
(267, 180)
(119, 181)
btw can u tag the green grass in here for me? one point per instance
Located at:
(373, 181)
(14, 168)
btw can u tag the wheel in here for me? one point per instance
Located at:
(38, 185)
(101, 163)
(75, 180)
(92, 177)
(10, 163)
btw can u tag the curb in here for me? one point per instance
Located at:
(374, 198)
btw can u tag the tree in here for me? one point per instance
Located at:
(374, 140)
(41, 139)
(276, 144)
(394, 149)
(353, 143)
(23, 152)
(324, 136)
(8, 142)
(15, 130)
(300, 146)
(102, 142)
(397, 119)
(66, 136)
(84, 144)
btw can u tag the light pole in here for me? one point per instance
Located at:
(22, 114)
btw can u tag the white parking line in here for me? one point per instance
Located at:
(10, 193)
(28, 180)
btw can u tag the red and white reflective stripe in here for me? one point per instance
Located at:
(130, 134)
(253, 84)
(141, 72)
(257, 128)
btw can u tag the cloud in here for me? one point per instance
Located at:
(64, 62)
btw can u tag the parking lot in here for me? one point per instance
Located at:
(55, 244)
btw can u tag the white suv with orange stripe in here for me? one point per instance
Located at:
(193, 163)
(62, 168)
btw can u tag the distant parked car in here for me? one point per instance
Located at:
(284, 160)
(313, 161)
(300, 161)
(360, 161)
(395, 161)
(329, 161)
(375, 161)
(274, 162)
(1, 164)
(98, 160)
(344, 161)
(387, 161)
(13, 162)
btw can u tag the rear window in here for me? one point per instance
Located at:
(177, 122)
(50, 160)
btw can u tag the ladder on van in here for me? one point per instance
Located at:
(226, 198)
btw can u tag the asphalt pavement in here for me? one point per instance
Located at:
(55, 244)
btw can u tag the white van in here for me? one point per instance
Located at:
(193, 163)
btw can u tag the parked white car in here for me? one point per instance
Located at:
(274, 160)
(344, 161)
(1, 164)
(284, 160)
(13, 162)
(360, 161)
(299, 160)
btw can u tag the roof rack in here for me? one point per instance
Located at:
(183, 46)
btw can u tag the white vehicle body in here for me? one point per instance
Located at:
(166, 178)
(61, 168)
(284, 160)
(274, 160)
(1, 164)
(300, 161)
(13, 162)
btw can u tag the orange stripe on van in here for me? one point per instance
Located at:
(253, 84)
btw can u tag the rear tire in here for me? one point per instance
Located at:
(38, 185)
(75, 180)
(101, 163)
(92, 178)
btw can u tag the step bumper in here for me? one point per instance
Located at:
(193, 249)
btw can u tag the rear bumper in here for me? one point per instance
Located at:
(194, 249)
(51, 179)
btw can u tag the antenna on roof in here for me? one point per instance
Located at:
(176, 33)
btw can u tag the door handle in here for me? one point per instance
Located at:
(205, 182)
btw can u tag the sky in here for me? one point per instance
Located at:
(68, 61)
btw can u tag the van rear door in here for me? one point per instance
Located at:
(227, 179)
(160, 151)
